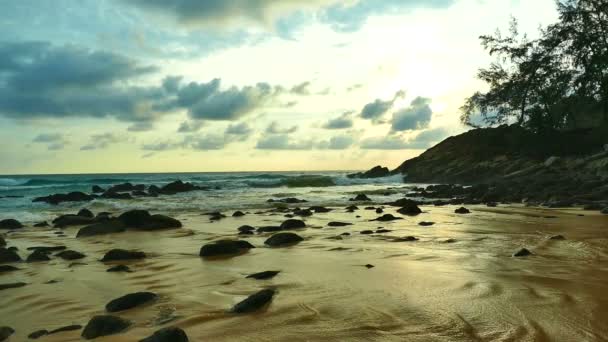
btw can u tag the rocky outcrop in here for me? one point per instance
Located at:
(263, 275)
(72, 220)
(104, 325)
(178, 187)
(70, 255)
(69, 197)
(10, 224)
(360, 198)
(375, 172)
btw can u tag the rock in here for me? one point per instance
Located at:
(387, 217)
(179, 186)
(70, 255)
(338, 224)
(288, 200)
(404, 202)
(283, 239)
(8, 255)
(47, 249)
(86, 213)
(101, 228)
(557, 237)
(169, 334)
(225, 248)
(405, 239)
(154, 190)
(375, 172)
(379, 211)
(37, 334)
(462, 210)
(605, 211)
(360, 198)
(130, 301)
(104, 325)
(369, 266)
(11, 286)
(135, 218)
(2, 242)
(449, 241)
(10, 224)
(139, 193)
(238, 213)
(158, 221)
(38, 256)
(72, 220)
(126, 187)
(292, 224)
(246, 228)
(269, 229)
(303, 212)
(142, 220)
(352, 208)
(8, 268)
(318, 209)
(96, 189)
(492, 204)
(6, 332)
(41, 224)
(366, 232)
(66, 328)
(254, 302)
(263, 275)
(425, 223)
(70, 197)
(117, 195)
(122, 254)
(410, 209)
(119, 268)
(345, 234)
(381, 231)
(522, 252)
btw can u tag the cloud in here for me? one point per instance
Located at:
(101, 141)
(354, 87)
(141, 126)
(428, 138)
(237, 132)
(54, 141)
(190, 126)
(422, 140)
(391, 142)
(301, 89)
(282, 142)
(376, 109)
(273, 128)
(343, 121)
(207, 142)
(340, 142)
(416, 116)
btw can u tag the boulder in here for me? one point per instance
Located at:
(302, 212)
(263, 275)
(179, 186)
(11, 286)
(141, 219)
(366, 232)
(387, 217)
(352, 208)
(379, 210)
(2, 242)
(47, 249)
(425, 223)
(70, 255)
(104, 325)
(37, 334)
(66, 328)
(382, 231)
(10, 224)
(522, 252)
(96, 189)
(360, 198)
(75, 196)
(38, 256)
(119, 268)
(101, 228)
(8, 255)
(169, 334)
(72, 220)
(246, 228)
(85, 213)
(254, 302)
(410, 209)
(41, 224)
(557, 237)
(338, 224)
(154, 190)
(269, 229)
(158, 221)
(292, 224)
(225, 248)
(318, 209)
(288, 200)
(130, 301)
(126, 187)
(117, 195)
(122, 254)
(283, 239)
(374, 172)
(135, 218)
(462, 210)
(6, 332)
(238, 213)
(405, 239)
(404, 202)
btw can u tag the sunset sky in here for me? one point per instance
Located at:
(94, 86)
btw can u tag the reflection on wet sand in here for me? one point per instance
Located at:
(470, 289)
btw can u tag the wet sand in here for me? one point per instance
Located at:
(427, 290)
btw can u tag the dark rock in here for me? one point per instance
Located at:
(126, 187)
(11, 286)
(38, 256)
(318, 209)
(238, 213)
(119, 268)
(70, 197)
(141, 219)
(72, 220)
(10, 224)
(557, 237)
(8, 255)
(288, 200)
(387, 217)
(338, 224)
(425, 223)
(37, 334)
(404, 202)
(117, 195)
(158, 221)
(593, 206)
(492, 204)
(522, 252)
(366, 232)
(360, 198)
(410, 209)
(269, 229)
(246, 228)
(605, 211)
(375, 172)
(86, 213)
(66, 328)
(381, 231)
(225, 248)
(254, 302)
(96, 189)
(345, 234)
(6, 332)
(47, 249)
(2, 242)
(41, 224)
(369, 266)
(179, 186)
(303, 212)
(101, 228)
(462, 210)
(352, 208)
(264, 275)
(122, 254)
(135, 218)
(370, 208)
(8, 268)
(154, 190)
(104, 325)
(449, 241)
(379, 211)
(169, 334)
(283, 239)
(292, 224)
(139, 193)
(70, 255)
(130, 301)
(405, 239)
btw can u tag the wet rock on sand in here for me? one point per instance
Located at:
(425, 223)
(72, 220)
(130, 301)
(38, 334)
(141, 219)
(119, 268)
(101, 228)
(283, 239)
(263, 275)
(557, 237)
(522, 252)
(293, 224)
(245, 229)
(360, 198)
(70, 255)
(366, 232)
(8, 255)
(462, 210)
(303, 212)
(338, 224)
(10, 224)
(85, 213)
(8, 268)
(38, 256)
(122, 254)
(254, 302)
(405, 239)
(11, 286)
(225, 248)
(55, 199)
(169, 334)
(2, 242)
(6, 332)
(104, 325)
(387, 217)
(238, 213)
(41, 224)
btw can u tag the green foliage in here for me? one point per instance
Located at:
(557, 81)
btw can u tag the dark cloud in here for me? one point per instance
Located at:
(54, 141)
(340, 142)
(343, 121)
(190, 126)
(160, 146)
(101, 141)
(273, 128)
(301, 89)
(376, 109)
(237, 132)
(428, 138)
(142, 126)
(416, 116)
(207, 142)
(282, 142)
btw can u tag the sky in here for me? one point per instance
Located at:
(113, 86)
